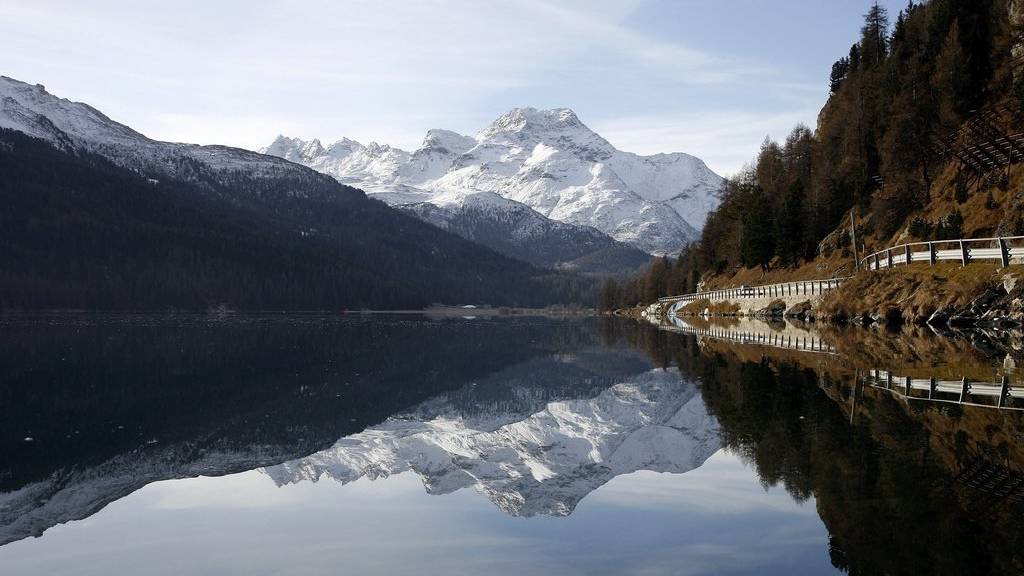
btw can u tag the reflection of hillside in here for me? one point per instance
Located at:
(920, 353)
(903, 489)
(957, 437)
(913, 351)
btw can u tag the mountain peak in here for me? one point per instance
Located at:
(446, 140)
(551, 162)
(294, 149)
(7, 83)
(343, 147)
(520, 120)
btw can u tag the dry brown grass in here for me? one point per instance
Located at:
(917, 291)
(839, 263)
(981, 219)
(913, 351)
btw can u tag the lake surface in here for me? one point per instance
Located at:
(303, 444)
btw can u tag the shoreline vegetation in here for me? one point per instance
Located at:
(945, 295)
(435, 311)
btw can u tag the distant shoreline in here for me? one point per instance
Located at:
(439, 312)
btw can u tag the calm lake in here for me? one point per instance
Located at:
(304, 444)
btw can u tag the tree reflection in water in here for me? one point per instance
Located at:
(902, 488)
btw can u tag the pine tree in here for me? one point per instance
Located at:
(854, 58)
(758, 238)
(790, 226)
(610, 295)
(656, 284)
(839, 72)
(874, 43)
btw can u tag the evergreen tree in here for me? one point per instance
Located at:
(770, 171)
(839, 71)
(854, 58)
(758, 238)
(611, 297)
(656, 285)
(680, 273)
(874, 43)
(790, 225)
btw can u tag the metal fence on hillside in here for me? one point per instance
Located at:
(1004, 249)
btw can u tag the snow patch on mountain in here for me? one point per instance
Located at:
(76, 126)
(545, 159)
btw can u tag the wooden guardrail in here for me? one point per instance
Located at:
(797, 288)
(964, 250)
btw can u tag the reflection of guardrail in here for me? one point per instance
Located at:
(965, 250)
(788, 341)
(798, 288)
(965, 392)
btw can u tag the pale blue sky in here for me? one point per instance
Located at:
(711, 78)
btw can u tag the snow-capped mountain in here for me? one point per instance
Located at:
(347, 160)
(547, 160)
(542, 464)
(77, 126)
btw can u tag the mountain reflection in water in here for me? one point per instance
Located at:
(534, 414)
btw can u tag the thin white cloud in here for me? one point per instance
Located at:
(385, 70)
(725, 139)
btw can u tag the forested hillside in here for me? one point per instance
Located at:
(76, 231)
(891, 152)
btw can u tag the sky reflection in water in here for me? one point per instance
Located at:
(713, 520)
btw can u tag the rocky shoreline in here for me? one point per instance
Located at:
(997, 305)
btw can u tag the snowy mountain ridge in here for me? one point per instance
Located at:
(547, 160)
(73, 125)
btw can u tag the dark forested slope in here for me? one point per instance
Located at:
(77, 231)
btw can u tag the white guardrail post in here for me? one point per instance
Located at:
(998, 248)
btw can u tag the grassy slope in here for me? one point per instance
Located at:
(917, 291)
